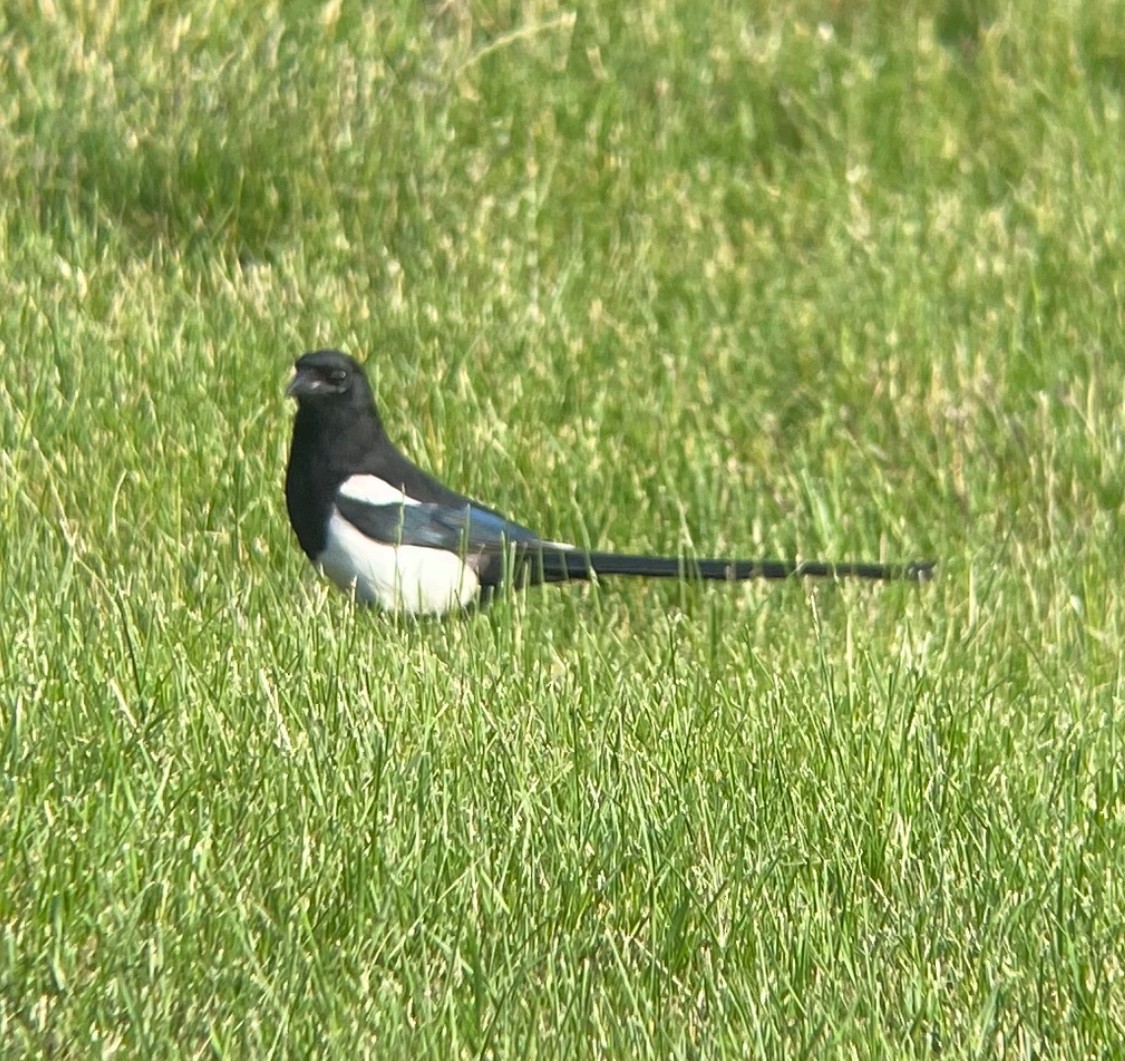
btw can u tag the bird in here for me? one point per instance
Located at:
(390, 534)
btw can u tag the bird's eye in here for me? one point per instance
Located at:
(338, 377)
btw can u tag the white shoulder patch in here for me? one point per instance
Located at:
(372, 490)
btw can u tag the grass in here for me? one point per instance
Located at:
(823, 280)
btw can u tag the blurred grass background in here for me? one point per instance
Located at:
(834, 280)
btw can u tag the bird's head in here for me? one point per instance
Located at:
(327, 378)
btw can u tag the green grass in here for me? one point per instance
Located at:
(837, 280)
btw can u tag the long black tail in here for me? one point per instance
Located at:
(574, 565)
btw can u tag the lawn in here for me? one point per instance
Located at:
(841, 281)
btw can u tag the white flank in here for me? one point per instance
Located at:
(400, 578)
(374, 491)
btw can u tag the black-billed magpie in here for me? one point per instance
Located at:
(382, 528)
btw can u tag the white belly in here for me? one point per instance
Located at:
(400, 578)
